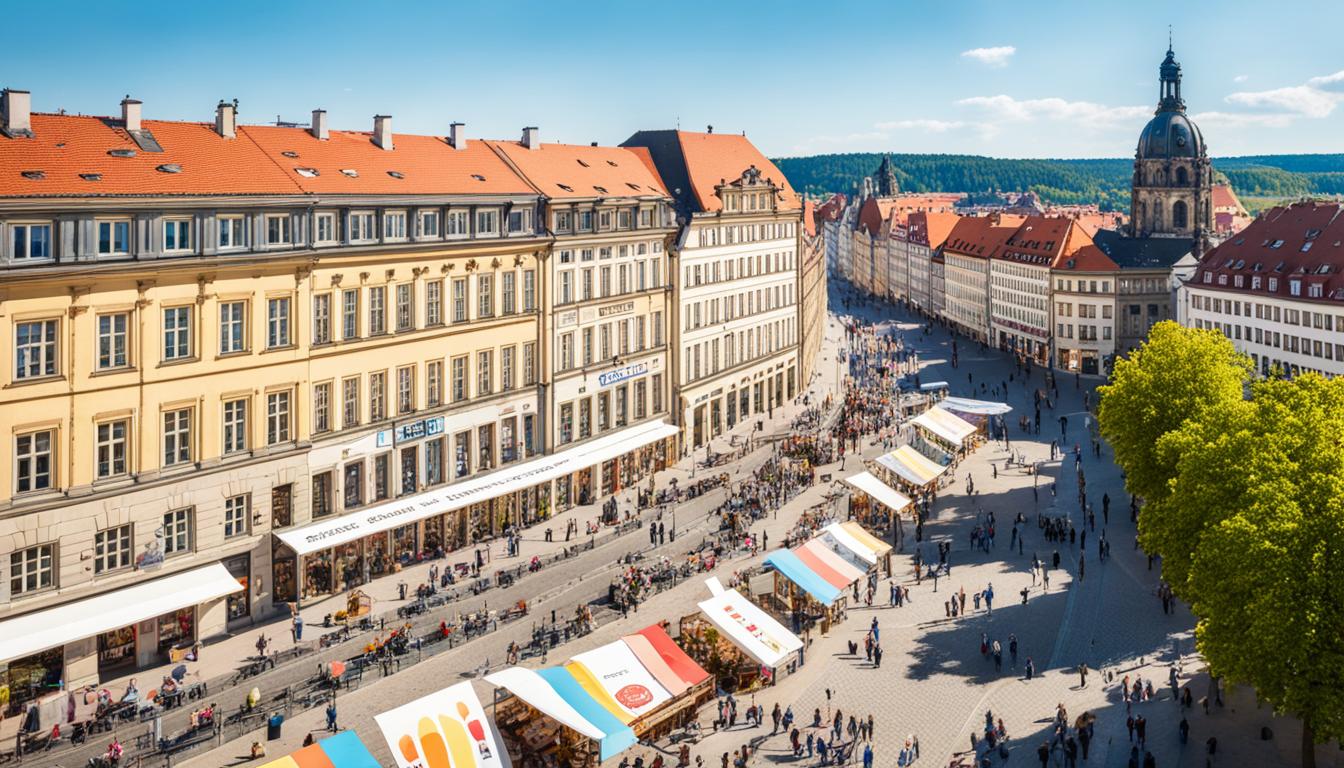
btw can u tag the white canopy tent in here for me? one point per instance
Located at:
(750, 628)
(53, 627)
(945, 425)
(871, 485)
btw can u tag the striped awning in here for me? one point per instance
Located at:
(945, 425)
(911, 466)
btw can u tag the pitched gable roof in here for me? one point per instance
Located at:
(694, 165)
(561, 171)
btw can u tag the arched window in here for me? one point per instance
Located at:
(1179, 215)
(1182, 177)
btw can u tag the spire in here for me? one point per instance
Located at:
(1169, 76)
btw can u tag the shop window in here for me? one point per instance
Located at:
(434, 462)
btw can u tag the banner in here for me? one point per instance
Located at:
(750, 628)
(622, 678)
(447, 729)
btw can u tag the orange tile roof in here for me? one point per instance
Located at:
(932, 229)
(981, 236)
(561, 171)
(809, 218)
(1224, 197)
(1089, 258)
(716, 158)
(254, 163)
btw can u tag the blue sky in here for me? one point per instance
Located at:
(1038, 79)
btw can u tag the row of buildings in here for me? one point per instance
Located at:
(254, 365)
(1067, 288)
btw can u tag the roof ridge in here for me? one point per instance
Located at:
(242, 129)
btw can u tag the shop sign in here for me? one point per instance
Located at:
(413, 431)
(632, 371)
(152, 558)
(616, 309)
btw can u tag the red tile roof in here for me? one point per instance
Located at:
(1226, 199)
(561, 171)
(1049, 241)
(931, 229)
(981, 236)
(809, 218)
(1302, 242)
(713, 159)
(254, 163)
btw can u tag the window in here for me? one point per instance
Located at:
(353, 484)
(35, 349)
(277, 322)
(459, 224)
(326, 228)
(177, 235)
(434, 461)
(483, 360)
(406, 389)
(378, 396)
(32, 569)
(394, 225)
(518, 220)
(529, 363)
(566, 423)
(232, 327)
(33, 461)
(508, 294)
(177, 531)
(459, 300)
(566, 287)
(380, 477)
(322, 407)
(277, 229)
(111, 449)
(236, 515)
(30, 242)
(562, 221)
(506, 368)
(176, 437)
(277, 418)
(361, 227)
(235, 425)
(112, 549)
(585, 221)
(350, 402)
(350, 314)
(657, 385)
(405, 307)
(434, 302)
(322, 318)
(377, 310)
(604, 220)
(114, 237)
(433, 383)
(176, 333)
(485, 295)
(459, 378)
(566, 351)
(429, 223)
(231, 232)
(529, 290)
(113, 341)
(322, 489)
(487, 222)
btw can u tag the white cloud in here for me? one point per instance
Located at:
(996, 56)
(922, 124)
(1316, 98)
(1084, 114)
(1241, 78)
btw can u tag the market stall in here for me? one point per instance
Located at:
(747, 645)
(911, 468)
(877, 505)
(344, 750)
(809, 584)
(446, 729)
(851, 541)
(947, 428)
(601, 702)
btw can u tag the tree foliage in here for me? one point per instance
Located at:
(1174, 375)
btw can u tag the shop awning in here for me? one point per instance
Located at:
(837, 570)
(865, 538)
(792, 568)
(945, 425)
(445, 728)
(53, 627)
(601, 692)
(750, 628)
(975, 407)
(869, 484)
(410, 509)
(911, 466)
(344, 750)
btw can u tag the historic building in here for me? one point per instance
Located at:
(1019, 282)
(1171, 194)
(967, 252)
(605, 303)
(1275, 290)
(735, 279)
(812, 306)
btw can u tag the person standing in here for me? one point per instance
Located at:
(331, 716)
(1082, 675)
(297, 628)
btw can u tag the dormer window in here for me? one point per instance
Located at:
(307, 173)
(30, 241)
(351, 172)
(177, 235)
(562, 221)
(1295, 287)
(1315, 290)
(361, 227)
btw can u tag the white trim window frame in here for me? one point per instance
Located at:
(279, 230)
(113, 237)
(232, 232)
(427, 224)
(324, 229)
(394, 226)
(112, 448)
(361, 227)
(37, 349)
(234, 433)
(30, 241)
(177, 341)
(177, 235)
(114, 341)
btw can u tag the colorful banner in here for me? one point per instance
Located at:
(344, 750)
(615, 677)
(447, 729)
(795, 570)
(750, 628)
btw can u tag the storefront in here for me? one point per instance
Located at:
(32, 676)
(238, 606)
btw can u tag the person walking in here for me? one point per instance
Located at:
(331, 716)
(1082, 675)
(1012, 651)
(296, 628)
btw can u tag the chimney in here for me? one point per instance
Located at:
(17, 108)
(226, 120)
(531, 137)
(319, 125)
(130, 113)
(382, 131)
(709, 129)
(457, 135)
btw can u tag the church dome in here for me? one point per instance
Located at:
(1170, 135)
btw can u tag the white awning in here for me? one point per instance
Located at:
(53, 627)
(975, 407)
(911, 466)
(869, 484)
(750, 628)
(392, 514)
(946, 425)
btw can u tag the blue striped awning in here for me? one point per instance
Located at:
(795, 570)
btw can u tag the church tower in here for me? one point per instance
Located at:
(885, 177)
(1171, 191)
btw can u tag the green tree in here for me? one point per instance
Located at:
(1172, 377)
(1255, 518)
